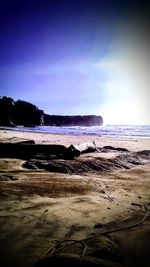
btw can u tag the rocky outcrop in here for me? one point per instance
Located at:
(19, 113)
(86, 120)
(6, 110)
(24, 113)
(95, 164)
(61, 159)
(27, 114)
(28, 150)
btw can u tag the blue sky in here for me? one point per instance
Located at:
(77, 57)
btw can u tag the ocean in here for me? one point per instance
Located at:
(140, 131)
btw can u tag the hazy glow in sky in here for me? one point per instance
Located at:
(130, 65)
(78, 57)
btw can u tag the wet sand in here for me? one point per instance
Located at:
(39, 207)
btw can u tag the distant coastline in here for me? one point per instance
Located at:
(20, 112)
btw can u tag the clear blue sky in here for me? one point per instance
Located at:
(77, 57)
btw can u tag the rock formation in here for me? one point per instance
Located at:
(19, 113)
(6, 110)
(27, 114)
(24, 113)
(86, 120)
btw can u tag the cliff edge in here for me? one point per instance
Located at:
(13, 113)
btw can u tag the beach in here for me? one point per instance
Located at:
(40, 207)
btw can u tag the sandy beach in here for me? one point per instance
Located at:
(130, 143)
(40, 208)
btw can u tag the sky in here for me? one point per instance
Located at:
(78, 57)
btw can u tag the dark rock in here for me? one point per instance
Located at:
(19, 113)
(98, 225)
(71, 153)
(83, 165)
(86, 120)
(145, 154)
(28, 142)
(24, 150)
(29, 165)
(121, 149)
(27, 114)
(30, 150)
(14, 178)
(6, 110)
(24, 113)
(136, 204)
(102, 191)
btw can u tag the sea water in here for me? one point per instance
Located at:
(142, 131)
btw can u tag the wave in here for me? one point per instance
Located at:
(142, 131)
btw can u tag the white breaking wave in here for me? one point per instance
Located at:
(142, 131)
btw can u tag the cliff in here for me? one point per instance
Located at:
(6, 110)
(24, 113)
(19, 113)
(86, 120)
(27, 114)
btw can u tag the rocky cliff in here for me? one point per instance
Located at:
(24, 113)
(6, 110)
(27, 114)
(19, 113)
(86, 120)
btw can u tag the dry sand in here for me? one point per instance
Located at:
(39, 207)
